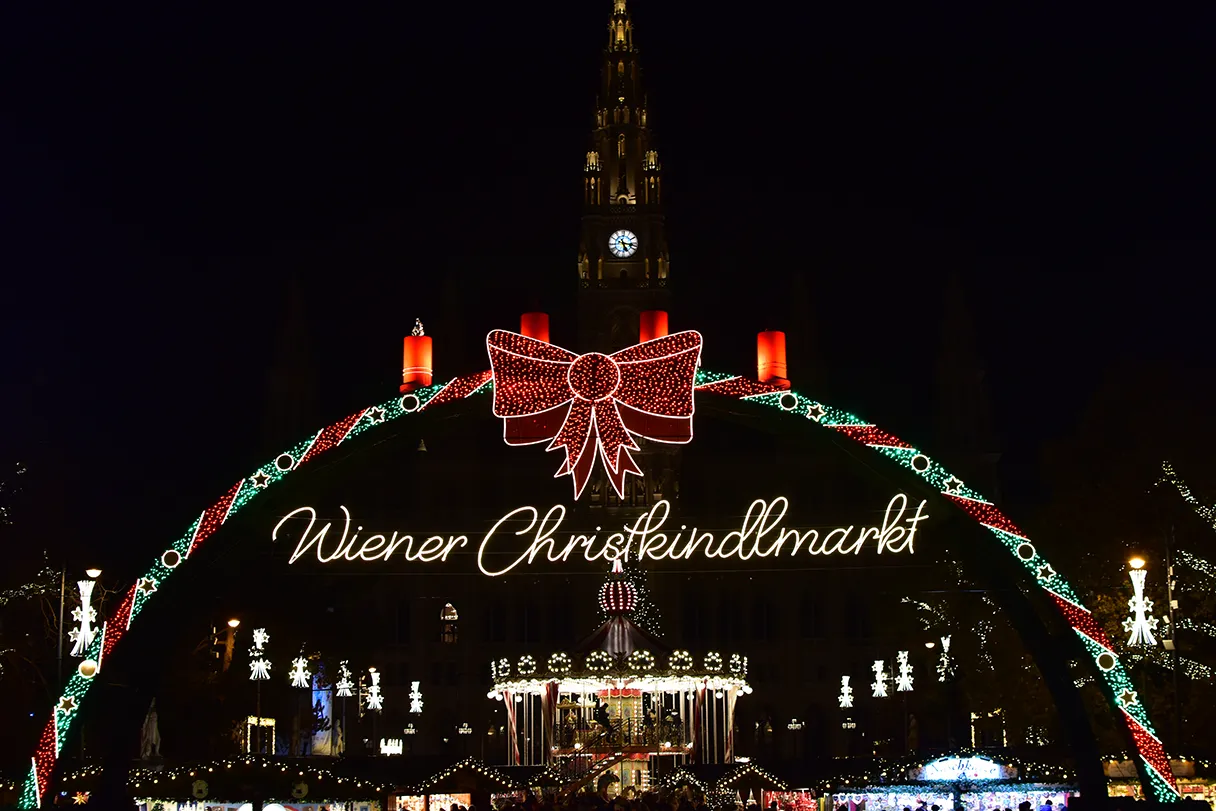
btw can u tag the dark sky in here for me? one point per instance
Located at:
(166, 174)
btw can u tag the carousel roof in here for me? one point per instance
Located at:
(619, 637)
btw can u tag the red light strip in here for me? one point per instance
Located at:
(214, 517)
(874, 437)
(459, 388)
(332, 436)
(986, 514)
(739, 387)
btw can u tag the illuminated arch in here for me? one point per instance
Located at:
(1152, 764)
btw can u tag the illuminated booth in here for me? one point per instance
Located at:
(621, 704)
(974, 783)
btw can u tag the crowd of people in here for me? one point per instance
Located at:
(684, 798)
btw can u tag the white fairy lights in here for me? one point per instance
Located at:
(82, 635)
(300, 677)
(846, 693)
(945, 667)
(903, 682)
(344, 683)
(375, 701)
(1141, 623)
(879, 687)
(416, 698)
(259, 665)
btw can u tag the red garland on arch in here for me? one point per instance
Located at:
(594, 404)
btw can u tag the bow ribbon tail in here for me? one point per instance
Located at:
(577, 437)
(615, 444)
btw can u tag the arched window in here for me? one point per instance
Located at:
(447, 623)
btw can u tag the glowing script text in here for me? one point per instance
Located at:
(760, 535)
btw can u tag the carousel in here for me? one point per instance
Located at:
(621, 708)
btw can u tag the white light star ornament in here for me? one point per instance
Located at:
(880, 679)
(1140, 624)
(259, 665)
(82, 635)
(903, 682)
(299, 672)
(344, 684)
(846, 693)
(416, 698)
(375, 701)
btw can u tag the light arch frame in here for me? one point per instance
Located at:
(1152, 764)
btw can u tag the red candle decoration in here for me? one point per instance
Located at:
(417, 370)
(535, 325)
(653, 324)
(770, 358)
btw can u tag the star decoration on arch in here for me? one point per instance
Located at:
(1046, 572)
(375, 415)
(147, 585)
(952, 485)
(1128, 697)
(816, 412)
(67, 705)
(259, 480)
(80, 798)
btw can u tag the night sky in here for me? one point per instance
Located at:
(168, 174)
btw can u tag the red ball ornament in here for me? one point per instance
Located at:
(618, 597)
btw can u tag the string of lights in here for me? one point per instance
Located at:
(1197, 564)
(44, 582)
(225, 780)
(8, 489)
(1169, 475)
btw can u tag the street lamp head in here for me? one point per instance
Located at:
(930, 645)
(94, 573)
(1136, 562)
(234, 623)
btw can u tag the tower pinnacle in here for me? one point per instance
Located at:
(624, 244)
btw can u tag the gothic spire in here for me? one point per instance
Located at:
(621, 167)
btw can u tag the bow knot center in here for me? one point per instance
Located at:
(594, 376)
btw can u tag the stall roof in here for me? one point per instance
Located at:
(465, 776)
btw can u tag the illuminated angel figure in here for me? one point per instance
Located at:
(880, 679)
(82, 635)
(846, 693)
(374, 700)
(299, 672)
(903, 682)
(344, 684)
(1140, 624)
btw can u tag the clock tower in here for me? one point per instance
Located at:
(623, 264)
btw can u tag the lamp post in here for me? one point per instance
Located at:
(795, 726)
(1171, 644)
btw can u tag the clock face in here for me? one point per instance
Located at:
(623, 244)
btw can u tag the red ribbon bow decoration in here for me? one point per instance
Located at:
(594, 404)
